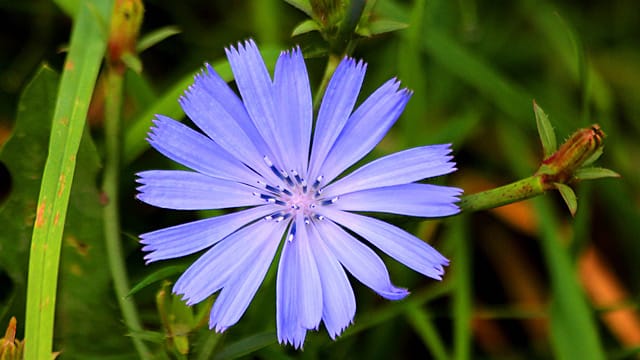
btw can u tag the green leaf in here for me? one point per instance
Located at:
(156, 36)
(156, 276)
(574, 333)
(305, 27)
(82, 260)
(462, 293)
(545, 130)
(83, 61)
(590, 173)
(132, 61)
(422, 324)
(474, 70)
(70, 7)
(569, 197)
(246, 346)
(381, 26)
(24, 155)
(303, 5)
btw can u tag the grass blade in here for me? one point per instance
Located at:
(86, 51)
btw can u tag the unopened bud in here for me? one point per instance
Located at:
(123, 34)
(10, 348)
(573, 154)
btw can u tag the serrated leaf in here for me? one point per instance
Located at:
(156, 36)
(156, 276)
(545, 130)
(590, 173)
(302, 5)
(569, 197)
(381, 26)
(305, 27)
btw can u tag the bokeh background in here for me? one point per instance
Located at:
(525, 281)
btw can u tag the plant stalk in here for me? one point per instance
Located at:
(111, 215)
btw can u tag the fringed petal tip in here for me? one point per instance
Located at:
(218, 328)
(188, 300)
(298, 344)
(333, 334)
(438, 270)
(291, 53)
(241, 47)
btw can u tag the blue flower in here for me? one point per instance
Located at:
(257, 154)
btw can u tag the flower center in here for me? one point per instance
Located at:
(295, 196)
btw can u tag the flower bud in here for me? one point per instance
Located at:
(123, 34)
(573, 154)
(10, 348)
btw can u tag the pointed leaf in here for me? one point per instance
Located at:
(156, 276)
(569, 197)
(381, 26)
(246, 346)
(155, 37)
(590, 173)
(302, 5)
(133, 62)
(305, 27)
(545, 130)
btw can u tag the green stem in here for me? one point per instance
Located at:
(332, 64)
(503, 195)
(112, 232)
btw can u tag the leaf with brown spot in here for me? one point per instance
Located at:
(80, 307)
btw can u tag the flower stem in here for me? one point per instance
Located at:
(332, 64)
(503, 195)
(112, 232)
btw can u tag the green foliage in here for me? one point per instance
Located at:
(82, 258)
(474, 68)
(67, 125)
(546, 132)
(24, 155)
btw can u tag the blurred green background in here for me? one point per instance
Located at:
(525, 281)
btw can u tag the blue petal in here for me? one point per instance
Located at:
(337, 104)
(365, 128)
(188, 190)
(222, 262)
(395, 242)
(339, 303)
(398, 168)
(308, 285)
(186, 239)
(298, 286)
(217, 110)
(214, 84)
(359, 260)
(408, 199)
(255, 87)
(295, 108)
(237, 293)
(196, 151)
